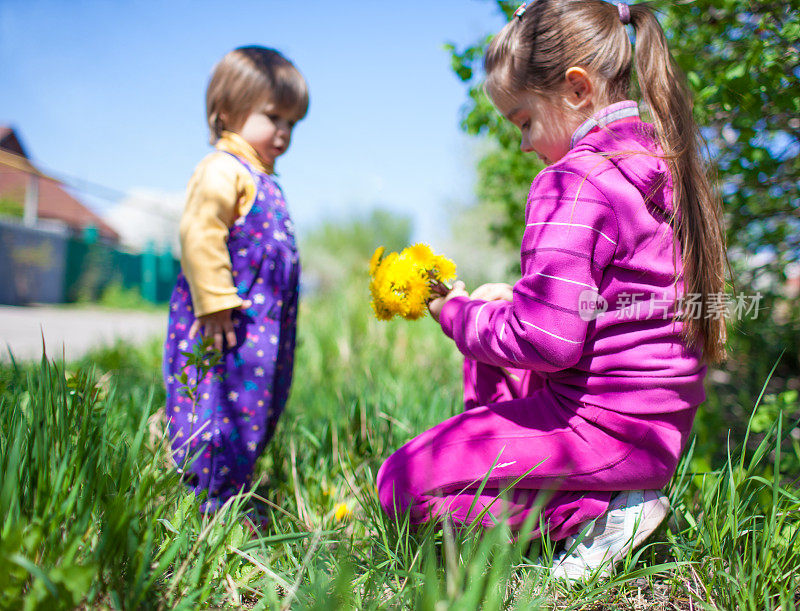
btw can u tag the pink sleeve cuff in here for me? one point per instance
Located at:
(448, 314)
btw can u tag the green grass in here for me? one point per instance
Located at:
(91, 517)
(11, 207)
(115, 296)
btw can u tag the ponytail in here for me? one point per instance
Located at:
(697, 207)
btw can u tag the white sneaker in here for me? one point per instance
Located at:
(632, 516)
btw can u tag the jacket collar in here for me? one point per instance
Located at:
(233, 143)
(604, 116)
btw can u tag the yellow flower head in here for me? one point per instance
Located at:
(341, 512)
(380, 288)
(421, 254)
(375, 261)
(445, 269)
(417, 292)
(401, 283)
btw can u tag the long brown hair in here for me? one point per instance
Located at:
(532, 54)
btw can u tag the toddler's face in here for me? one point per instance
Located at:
(545, 129)
(269, 131)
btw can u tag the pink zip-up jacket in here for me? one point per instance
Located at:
(597, 236)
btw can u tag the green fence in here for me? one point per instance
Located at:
(42, 266)
(92, 265)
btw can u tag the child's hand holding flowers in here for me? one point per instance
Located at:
(436, 305)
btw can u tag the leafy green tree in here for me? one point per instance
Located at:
(742, 59)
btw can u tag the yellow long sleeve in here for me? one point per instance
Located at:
(215, 192)
(220, 191)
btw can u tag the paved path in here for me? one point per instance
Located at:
(77, 330)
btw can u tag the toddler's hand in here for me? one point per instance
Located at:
(218, 325)
(494, 291)
(435, 305)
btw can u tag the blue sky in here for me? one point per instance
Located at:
(112, 92)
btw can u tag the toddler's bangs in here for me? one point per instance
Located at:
(289, 92)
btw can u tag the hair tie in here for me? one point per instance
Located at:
(624, 12)
(520, 10)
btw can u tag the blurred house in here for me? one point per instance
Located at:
(54, 249)
(23, 188)
(42, 231)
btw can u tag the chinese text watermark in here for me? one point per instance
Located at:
(641, 306)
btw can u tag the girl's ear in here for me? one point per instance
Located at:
(578, 88)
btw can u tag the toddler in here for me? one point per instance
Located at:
(240, 277)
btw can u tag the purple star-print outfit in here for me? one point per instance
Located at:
(240, 400)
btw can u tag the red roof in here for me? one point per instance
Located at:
(54, 202)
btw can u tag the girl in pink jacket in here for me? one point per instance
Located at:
(584, 377)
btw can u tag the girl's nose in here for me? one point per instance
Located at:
(525, 145)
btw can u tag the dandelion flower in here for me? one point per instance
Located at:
(421, 254)
(341, 512)
(445, 269)
(402, 283)
(416, 297)
(376, 260)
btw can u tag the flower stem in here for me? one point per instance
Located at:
(440, 288)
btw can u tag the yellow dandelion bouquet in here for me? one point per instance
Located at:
(403, 283)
